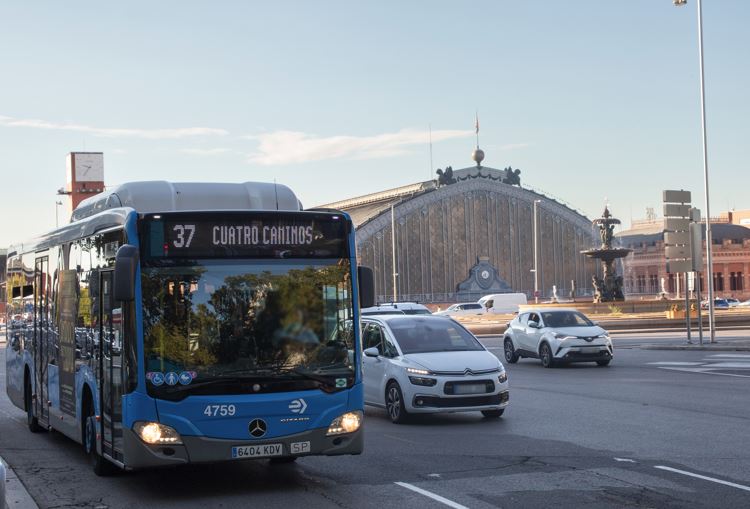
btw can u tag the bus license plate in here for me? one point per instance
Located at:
(257, 451)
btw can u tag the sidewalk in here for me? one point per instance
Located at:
(720, 345)
(16, 496)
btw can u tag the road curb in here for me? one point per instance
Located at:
(16, 496)
(706, 348)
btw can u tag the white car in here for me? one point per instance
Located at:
(462, 309)
(429, 364)
(556, 336)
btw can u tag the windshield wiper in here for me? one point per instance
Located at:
(327, 381)
(217, 380)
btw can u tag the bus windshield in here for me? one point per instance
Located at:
(246, 319)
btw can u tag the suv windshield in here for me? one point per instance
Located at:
(246, 319)
(421, 335)
(565, 319)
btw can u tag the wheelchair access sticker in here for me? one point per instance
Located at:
(156, 378)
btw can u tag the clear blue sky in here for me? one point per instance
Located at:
(590, 99)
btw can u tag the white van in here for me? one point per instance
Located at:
(503, 302)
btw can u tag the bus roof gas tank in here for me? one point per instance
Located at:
(161, 196)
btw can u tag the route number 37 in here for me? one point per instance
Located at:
(184, 234)
(220, 410)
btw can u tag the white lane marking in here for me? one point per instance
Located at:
(626, 460)
(433, 496)
(704, 371)
(739, 365)
(670, 363)
(705, 478)
(732, 355)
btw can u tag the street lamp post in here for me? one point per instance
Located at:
(709, 238)
(393, 253)
(535, 270)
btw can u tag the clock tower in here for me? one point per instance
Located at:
(85, 176)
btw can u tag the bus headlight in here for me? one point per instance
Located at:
(154, 433)
(346, 423)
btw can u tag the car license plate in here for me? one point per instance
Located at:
(257, 451)
(470, 388)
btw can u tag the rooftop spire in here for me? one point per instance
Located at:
(478, 155)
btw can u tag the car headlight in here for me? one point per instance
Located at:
(346, 423)
(502, 377)
(421, 380)
(418, 371)
(155, 433)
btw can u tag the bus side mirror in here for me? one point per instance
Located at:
(366, 287)
(126, 263)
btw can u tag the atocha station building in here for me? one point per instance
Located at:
(467, 234)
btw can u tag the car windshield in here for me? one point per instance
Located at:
(565, 319)
(421, 335)
(214, 318)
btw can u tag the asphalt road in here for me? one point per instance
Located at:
(634, 434)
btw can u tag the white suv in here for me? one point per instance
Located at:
(556, 335)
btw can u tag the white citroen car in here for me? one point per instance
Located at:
(556, 336)
(429, 364)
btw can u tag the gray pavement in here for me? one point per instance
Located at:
(634, 434)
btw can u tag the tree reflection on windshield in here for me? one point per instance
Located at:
(220, 317)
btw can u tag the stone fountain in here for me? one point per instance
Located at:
(609, 287)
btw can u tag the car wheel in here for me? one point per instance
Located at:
(545, 354)
(31, 421)
(394, 404)
(493, 414)
(101, 466)
(604, 362)
(510, 353)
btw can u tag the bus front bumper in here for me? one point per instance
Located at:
(197, 449)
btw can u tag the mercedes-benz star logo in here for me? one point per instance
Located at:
(257, 427)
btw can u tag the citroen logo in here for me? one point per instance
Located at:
(468, 372)
(257, 428)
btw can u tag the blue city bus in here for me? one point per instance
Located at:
(174, 323)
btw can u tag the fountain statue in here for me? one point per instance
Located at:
(608, 288)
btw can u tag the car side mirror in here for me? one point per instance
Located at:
(533, 324)
(15, 344)
(372, 352)
(595, 323)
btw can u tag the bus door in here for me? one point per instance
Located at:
(110, 365)
(41, 343)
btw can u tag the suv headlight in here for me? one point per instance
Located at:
(563, 337)
(155, 433)
(502, 377)
(346, 423)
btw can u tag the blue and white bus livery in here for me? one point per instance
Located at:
(178, 323)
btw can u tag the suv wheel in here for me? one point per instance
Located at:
(510, 353)
(545, 354)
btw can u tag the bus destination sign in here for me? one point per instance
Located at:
(243, 235)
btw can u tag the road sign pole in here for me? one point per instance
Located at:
(687, 309)
(698, 302)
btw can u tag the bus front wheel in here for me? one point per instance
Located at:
(99, 464)
(31, 421)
